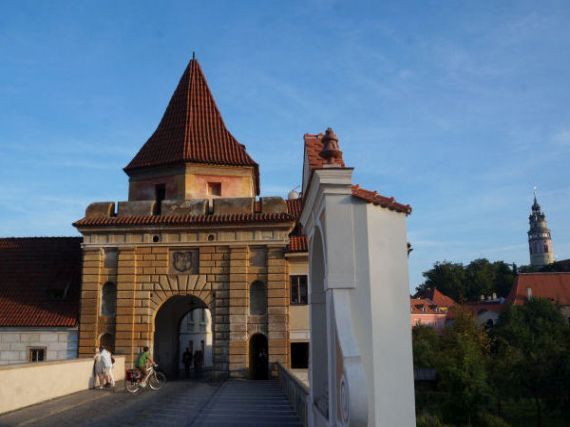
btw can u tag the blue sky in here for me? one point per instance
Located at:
(458, 108)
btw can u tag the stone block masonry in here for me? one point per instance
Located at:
(146, 278)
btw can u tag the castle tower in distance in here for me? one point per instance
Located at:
(539, 239)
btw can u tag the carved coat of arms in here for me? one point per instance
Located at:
(183, 261)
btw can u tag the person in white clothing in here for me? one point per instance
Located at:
(107, 362)
(99, 367)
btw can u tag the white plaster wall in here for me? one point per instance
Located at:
(60, 343)
(383, 326)
(36, 382)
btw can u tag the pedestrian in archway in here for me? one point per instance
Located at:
(187, 360)
(198, 362)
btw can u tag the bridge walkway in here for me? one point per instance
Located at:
(178, 403)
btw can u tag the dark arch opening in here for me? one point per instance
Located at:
(257, 298)
(109, 299)
(167, 331)
(258, 357)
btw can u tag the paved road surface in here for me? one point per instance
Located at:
(179, 403)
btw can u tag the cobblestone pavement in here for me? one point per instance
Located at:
(178, 403)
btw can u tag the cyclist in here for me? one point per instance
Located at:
(144, 361)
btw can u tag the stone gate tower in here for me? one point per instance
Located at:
(192, 234)
(539, 239)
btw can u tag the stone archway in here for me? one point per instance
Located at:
(166, 338)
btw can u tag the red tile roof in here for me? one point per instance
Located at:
(40, 280)
(294, 207)
(377, 199)
(552, 286)
(438, 297)
(314, 145)
(297, 244)
(185, 219)
(192, 130)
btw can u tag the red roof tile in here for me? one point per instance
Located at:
(40, 280)
(377, 199)
(294, 207)
(192, 130)
(552, 286)
(438, 297)
(314, 145)
(297, 244)
(186, 219)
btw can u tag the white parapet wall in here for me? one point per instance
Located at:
(27, 384)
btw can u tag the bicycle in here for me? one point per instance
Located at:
(154, 379)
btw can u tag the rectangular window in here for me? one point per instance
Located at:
(299, 295)
(214, 189)
(300, 355)
(159, 196)
(36, 354)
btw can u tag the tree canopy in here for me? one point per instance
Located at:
(468, 283)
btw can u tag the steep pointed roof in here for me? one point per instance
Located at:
(192, 130)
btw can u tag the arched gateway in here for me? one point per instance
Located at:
(168, 329)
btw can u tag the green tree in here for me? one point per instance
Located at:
(532, 354)
(425, 344)
(462, 369)
(447, 277)
(468, 283)
(480, 279)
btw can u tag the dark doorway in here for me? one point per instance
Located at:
(258, 365)
(299, 355)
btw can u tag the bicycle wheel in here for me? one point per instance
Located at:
(132, 386)
(157, 380)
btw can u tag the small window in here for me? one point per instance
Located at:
(299, 290)
(159, 196)
(214, 189)
(545, 249)
(36, 354)
(108, 299)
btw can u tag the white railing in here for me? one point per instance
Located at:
(296, 391)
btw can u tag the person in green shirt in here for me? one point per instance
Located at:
(143, 362)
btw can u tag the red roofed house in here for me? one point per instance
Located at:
(424, 311)
(552, 286)
(39, 298)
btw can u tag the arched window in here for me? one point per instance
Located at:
(109, 299)
(257, 298)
